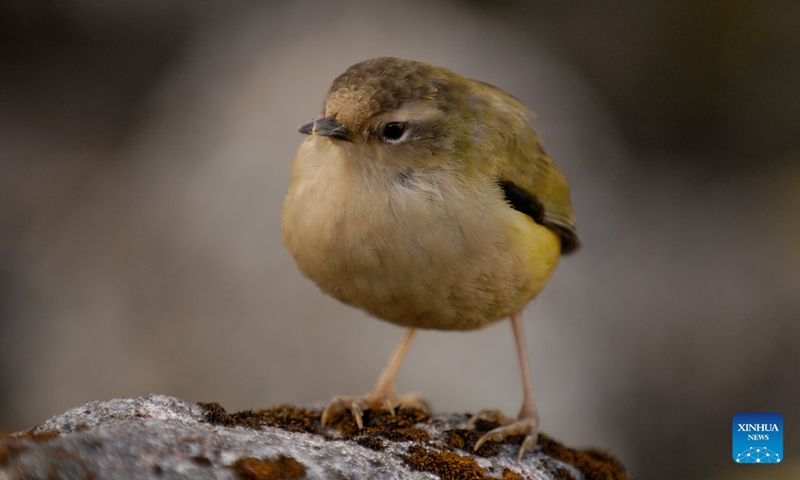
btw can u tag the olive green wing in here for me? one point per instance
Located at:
(530, 180)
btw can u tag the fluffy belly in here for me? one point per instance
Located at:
(437, 260)
(444, 285)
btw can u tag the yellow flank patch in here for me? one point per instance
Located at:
(538, 248)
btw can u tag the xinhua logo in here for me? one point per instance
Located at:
(758, 438)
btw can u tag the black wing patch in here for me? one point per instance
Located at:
(523, 201)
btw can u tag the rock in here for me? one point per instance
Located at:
(162, 437)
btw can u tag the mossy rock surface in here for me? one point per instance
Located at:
(162, 437)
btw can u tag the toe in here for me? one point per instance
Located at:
(524, 426)
(341, 403)
(413, 401)
(490, 414)
(374, 402)
(527, 444)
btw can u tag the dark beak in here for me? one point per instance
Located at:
(327, 127)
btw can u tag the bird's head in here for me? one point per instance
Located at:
(393, 110)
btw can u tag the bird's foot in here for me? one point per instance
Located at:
(375, 401)
(527, 425)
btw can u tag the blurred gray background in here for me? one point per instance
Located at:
(145, 149)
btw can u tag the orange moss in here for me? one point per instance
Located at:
(37, 437)
(509, 475)
(450, 465)
(594, 464)
(397, 428)
(282, 468)
(370, 442)
(10, 449)
(447, 465)
(462, 439)
(13, 445)
(287, 417)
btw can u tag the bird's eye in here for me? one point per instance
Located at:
(392, 131)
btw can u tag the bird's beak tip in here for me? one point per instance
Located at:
(327, 127)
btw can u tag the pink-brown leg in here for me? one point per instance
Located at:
(527, 422)
(383, 396)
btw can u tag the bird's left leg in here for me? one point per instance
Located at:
(527, 422)
(383, 396)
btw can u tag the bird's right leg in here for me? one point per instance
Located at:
(383, 396)
(527, 422)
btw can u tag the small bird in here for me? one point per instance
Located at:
(425, 199)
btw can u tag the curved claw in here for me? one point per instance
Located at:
(345, 403)
(387, 404)
(494, 435)
(527, 444)
(492, 414)
(326, 413)
(358, 414)
(357, 405)
(523, 426)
